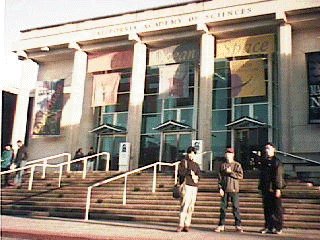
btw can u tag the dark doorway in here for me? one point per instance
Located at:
(249, 140)
(9, 101)
(29, 121)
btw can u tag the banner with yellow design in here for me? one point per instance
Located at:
(247, 78)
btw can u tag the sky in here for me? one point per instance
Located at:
(17, 15)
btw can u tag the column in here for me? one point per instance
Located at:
(136, 101)
(284, 80)
(29, 74)
(75, 108)
(205, 94)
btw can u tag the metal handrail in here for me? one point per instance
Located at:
(60, 165)
(297, 157)
(125, 176)
(44, 160)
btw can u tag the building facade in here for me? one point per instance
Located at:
(229, 74)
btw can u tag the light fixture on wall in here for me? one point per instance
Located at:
(45, 49)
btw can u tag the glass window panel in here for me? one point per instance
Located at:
(123, 102)
(109, 109)
(151, 104)
(221, 99)
(149, 122)
(179, 102)
(122, 119)
(187, 116)
(220, 118)
(221, 74)
(170, 115)
(185, 102)
(124, 85)
(241, 111)
(261, 112)
(220, 140)
(185, 140)
(108, 118)
(107, 143)
(149, 149)
(152, 84)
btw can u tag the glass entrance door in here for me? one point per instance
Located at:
(174, 145)
(111, 144)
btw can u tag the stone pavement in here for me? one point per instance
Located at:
(56, 228)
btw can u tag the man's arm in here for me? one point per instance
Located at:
(237, 173)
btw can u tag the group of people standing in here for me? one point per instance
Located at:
(271, 183)
(77, 166)
(10, 161)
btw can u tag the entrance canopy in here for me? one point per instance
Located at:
(245, 123)
(173, 126)
(108, 129)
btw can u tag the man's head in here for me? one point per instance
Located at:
(19, 143)
(8, 147)
(191, 151)
(229, 154)
(270, 149)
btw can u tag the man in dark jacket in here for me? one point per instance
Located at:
(188, 173)
(229, 175)
(271, 183)
(20, 161)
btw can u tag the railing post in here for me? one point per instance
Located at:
(86, 217)
(44, 167)
(124, 196)
(69, 164)
(154, 182)
(176, 174)
(108, 162)
(60, 175)
(211, 163)
(84, 170)
(31, 178)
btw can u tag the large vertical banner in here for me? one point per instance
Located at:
(105, 89)
(174, 81)
(48, 109)
(247, 78)
(313, 65)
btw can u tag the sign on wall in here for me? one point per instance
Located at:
(48, 108)
(245, 46)
(124, 156)
(103, 61)
(174, 54)
(313, 67)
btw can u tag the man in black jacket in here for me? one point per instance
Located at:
(20, 161)
(271, 183)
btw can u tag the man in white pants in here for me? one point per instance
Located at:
(188, 173)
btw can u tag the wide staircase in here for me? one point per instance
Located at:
(301, 201)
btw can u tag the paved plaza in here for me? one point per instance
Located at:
(49, 228)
